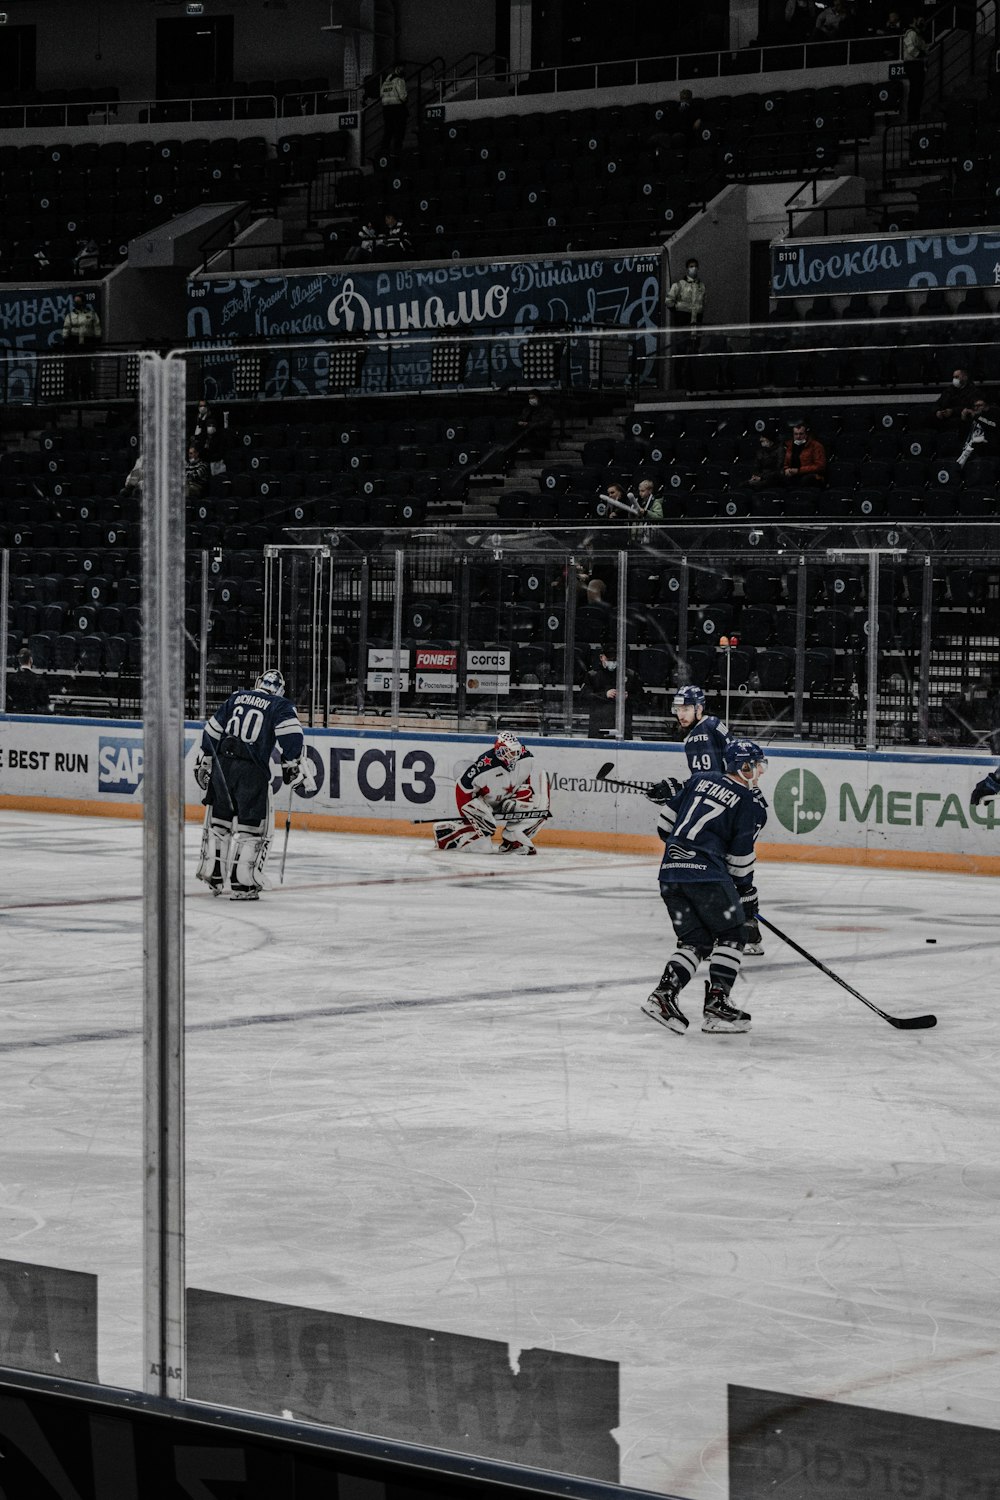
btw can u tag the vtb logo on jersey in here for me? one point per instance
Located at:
(119, 764)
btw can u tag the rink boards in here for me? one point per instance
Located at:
(894, 809)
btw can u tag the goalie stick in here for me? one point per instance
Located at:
(902, 1023)
(288, 829)
(513, 817)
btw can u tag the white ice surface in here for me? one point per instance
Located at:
(420, 1089)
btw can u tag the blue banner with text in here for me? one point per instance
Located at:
(408, 328)
(893, 263)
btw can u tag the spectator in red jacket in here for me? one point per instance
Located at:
(805, 459)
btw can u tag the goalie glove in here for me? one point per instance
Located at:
(987, 788)
(662, 791)
(203, 770)
(750, 903)
(292, 772)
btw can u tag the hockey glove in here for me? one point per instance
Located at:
(750, 903)
(292, 773)
(662, 791)
(988, 787)
(203, 770)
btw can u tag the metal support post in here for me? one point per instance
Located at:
(621, 646)
(162, 425)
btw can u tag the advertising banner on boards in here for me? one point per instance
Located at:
(900, 807)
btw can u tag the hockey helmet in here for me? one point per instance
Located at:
(271, 682)
(689, 697)
(740, 753)
(507, 748)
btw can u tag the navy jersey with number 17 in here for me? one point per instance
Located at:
(708, 829)
(257, 721)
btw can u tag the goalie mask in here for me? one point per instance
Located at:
(507, 748)
(271, 682)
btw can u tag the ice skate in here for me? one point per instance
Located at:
(720, 1015)
(662, 1005)
(509, 846)
(754, 944)
(244, 893)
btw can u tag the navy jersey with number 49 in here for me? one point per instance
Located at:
(705, 742)
(708, 829)
(259, 721)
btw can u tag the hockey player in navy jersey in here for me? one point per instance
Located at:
(987, 788)
(706, 882)
(705, 742)
(505, 785)
(234, 772)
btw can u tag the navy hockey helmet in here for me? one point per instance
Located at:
(507, 748)
(740, 753)
(689, 697)
(271, 682)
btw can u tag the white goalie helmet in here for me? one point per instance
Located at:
(507, 748)
(271, 682)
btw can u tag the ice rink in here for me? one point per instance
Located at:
(420, 1089)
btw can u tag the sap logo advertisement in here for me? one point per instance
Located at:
(119, 764)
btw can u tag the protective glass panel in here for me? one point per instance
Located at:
(425, 1111)
(71, 784)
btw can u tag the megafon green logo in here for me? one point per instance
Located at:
(799, 801)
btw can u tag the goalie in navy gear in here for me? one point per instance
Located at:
(706, 882)
(505, 786)
(705, 740)
(234, 772)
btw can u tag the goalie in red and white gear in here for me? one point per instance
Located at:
(504, 788)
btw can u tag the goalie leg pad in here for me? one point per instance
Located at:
(213, 863)
(522, 831)
(455, 834)
(248, 858)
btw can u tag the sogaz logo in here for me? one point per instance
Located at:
(799, 801)
(119, 764)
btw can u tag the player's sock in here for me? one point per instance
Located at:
(719, 1014)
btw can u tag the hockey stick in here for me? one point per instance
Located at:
(288, 829)
(635, 786)
(902, 1023)
(514, 817)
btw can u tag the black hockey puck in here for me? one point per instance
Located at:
(930, 940)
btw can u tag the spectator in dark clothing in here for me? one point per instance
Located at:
(602, 695)
(365, 242)
(205, 432)
(915, 49)
(27, 690)
(394, 242)
(982, 438)
(535, 422)
(195, 474)
(804, 459)
(955, 403)
(767, 461)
